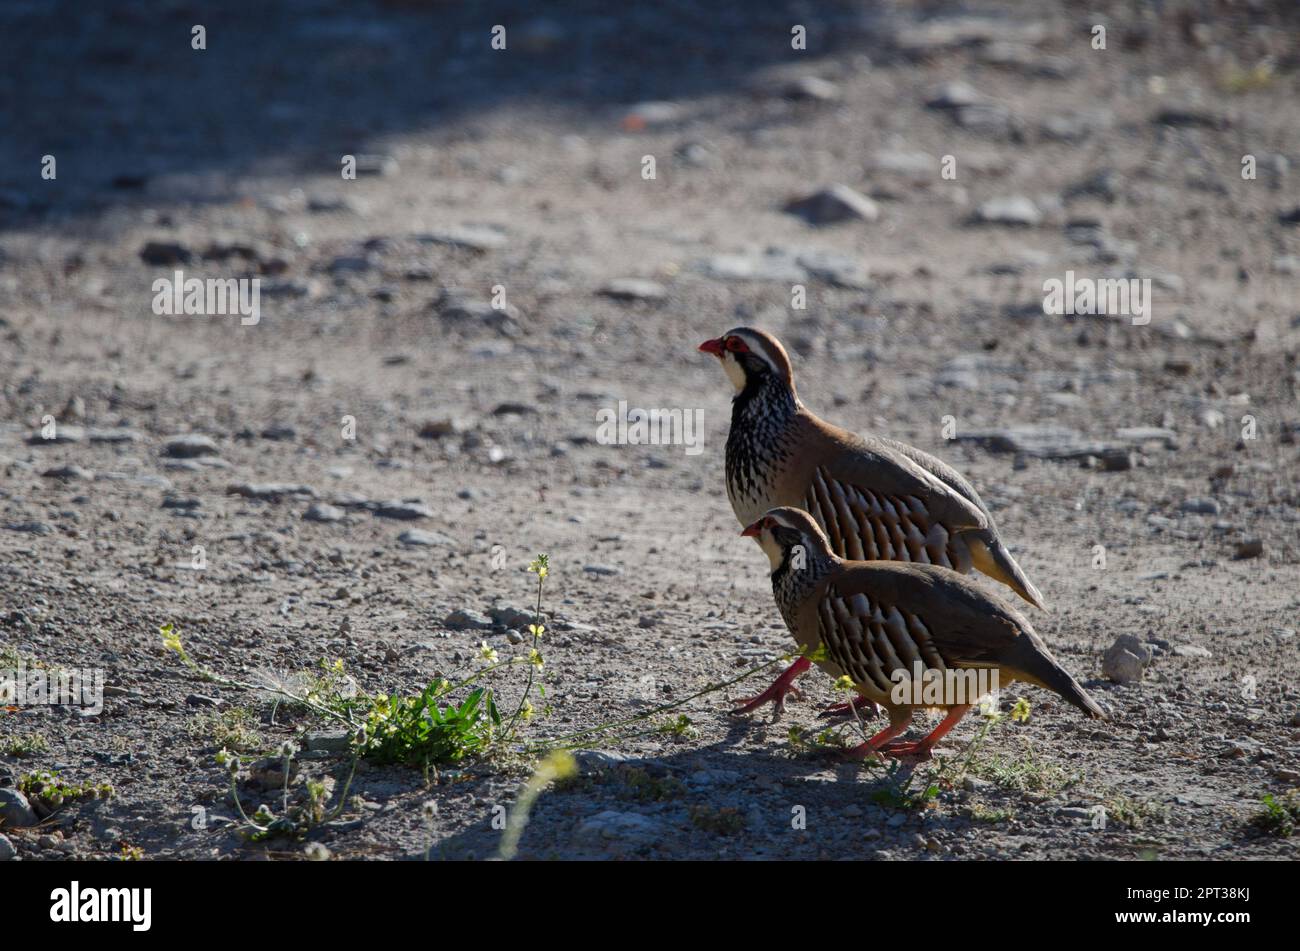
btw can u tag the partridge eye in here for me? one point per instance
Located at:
(736, 345)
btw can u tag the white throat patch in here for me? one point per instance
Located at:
(735, 372)
(771, 549)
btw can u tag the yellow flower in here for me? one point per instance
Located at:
(171, 637)
(526, 711)
(1020, 712)
(535, 658)
(537, 630)
(845, 683)
(489, 654)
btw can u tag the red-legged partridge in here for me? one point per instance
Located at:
(876, 498)
(883, 622)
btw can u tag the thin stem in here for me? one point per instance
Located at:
(559, 741)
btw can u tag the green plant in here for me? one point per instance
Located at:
(417, 731)
(1134, 813)
(900, 791)
(46, 791)
(297, 817)
(439, 726)
(724, 820)
(20, 746)
(232, 729)
(1278, 815)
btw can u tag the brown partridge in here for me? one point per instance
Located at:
(909, 636)
(876, 498)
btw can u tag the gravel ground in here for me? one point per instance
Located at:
(1171, 444)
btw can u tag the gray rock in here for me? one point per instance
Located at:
(15, 811)
(279, 432)
(464, 619)
(30, 528)
(68, 473)
(947, 32)
(605, 570)
(620, 830)
(1074, 126)
(166, 252)
(1125, 661)
(811, 88)
(189, 446)
(597, 761)
(350, 264)
(955, 95)
(634, 289)
(1250, 548)
(7, 850)
(114, 436)
(271, 491)
(327, 204)
(1200, 506)
(1148, 434)
(1103, 184)
(839, 270)
(460, 307)
(1191, 650)
(833, 205)
(377, 164)
(290, 288)
(479, 239)
(511, 617)
(403, 511)
(417, 538)
(1022, 59)
(656, 112)
(918, 166)
(1074, 812)
(989, 119)
(61, 435)
(1043, 442)
(446, 426)
(333, 741)
(323, 512)
(1190, 117)
(1012, 211)
(772, 265)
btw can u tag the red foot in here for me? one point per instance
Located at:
(783, 687)
(859, 704)
(899, 749)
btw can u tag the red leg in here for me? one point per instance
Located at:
(900, 718)
(922, 749)
(777, 692)
(858, 704)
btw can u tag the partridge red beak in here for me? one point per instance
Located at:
(712, 346)
(754, 530)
